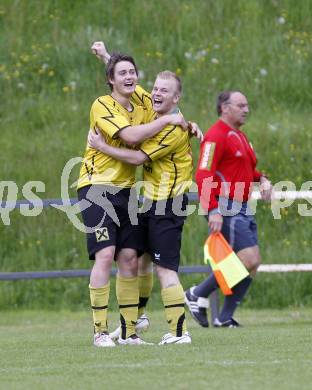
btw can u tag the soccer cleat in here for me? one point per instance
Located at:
(169, 338)
(133, 340)
(198, 307)
(103, 340)
(231, 323)
(115, 334)
(141, 326)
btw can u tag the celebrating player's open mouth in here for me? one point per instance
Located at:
(164, 95)
(129, 85)
(156, 103)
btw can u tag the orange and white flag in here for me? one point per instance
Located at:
(225, 264)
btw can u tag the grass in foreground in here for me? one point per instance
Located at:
(53, 350)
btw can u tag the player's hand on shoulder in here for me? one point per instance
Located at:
(178, 120)
(195, 130)
(96, 140)
(215, 222)
(266, 189)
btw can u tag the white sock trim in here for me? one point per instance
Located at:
(203, 302)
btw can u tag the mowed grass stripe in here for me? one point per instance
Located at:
(272, 350)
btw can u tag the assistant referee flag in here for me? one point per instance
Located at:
(225, 264)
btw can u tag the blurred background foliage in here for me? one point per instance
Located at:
(49, 79)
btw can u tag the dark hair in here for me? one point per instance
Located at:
(223, 97)
(167, 74)
(114, 59)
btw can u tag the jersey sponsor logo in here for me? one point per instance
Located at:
(157, 256)
(102, 234)
(207, 155)
(238, 153)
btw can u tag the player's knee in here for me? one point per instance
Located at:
(104, 258)
(145, 264)
(127, 263)
(257, 261)
(167, 277)
(256, 264)
(255, 258)
(160, 272)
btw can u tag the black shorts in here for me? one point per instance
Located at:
(107, 219)
(162, 234)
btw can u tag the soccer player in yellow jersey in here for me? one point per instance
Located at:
(104, 189)
(167, 176)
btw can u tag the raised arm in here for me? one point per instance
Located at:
(133, 135)
(98, 48)
(134, 157)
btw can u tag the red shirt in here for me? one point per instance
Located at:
(226, 166)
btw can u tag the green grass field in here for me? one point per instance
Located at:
(53, 350)
(49, 80)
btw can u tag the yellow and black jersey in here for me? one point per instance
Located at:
(110, 117)
(143, 98)
(169, 171)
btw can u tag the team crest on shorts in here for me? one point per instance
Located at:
(102, 234)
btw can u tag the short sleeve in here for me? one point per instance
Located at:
(108, 118)
(143, 98)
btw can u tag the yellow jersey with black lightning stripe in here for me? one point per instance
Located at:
(110, 117)
(168, 173)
